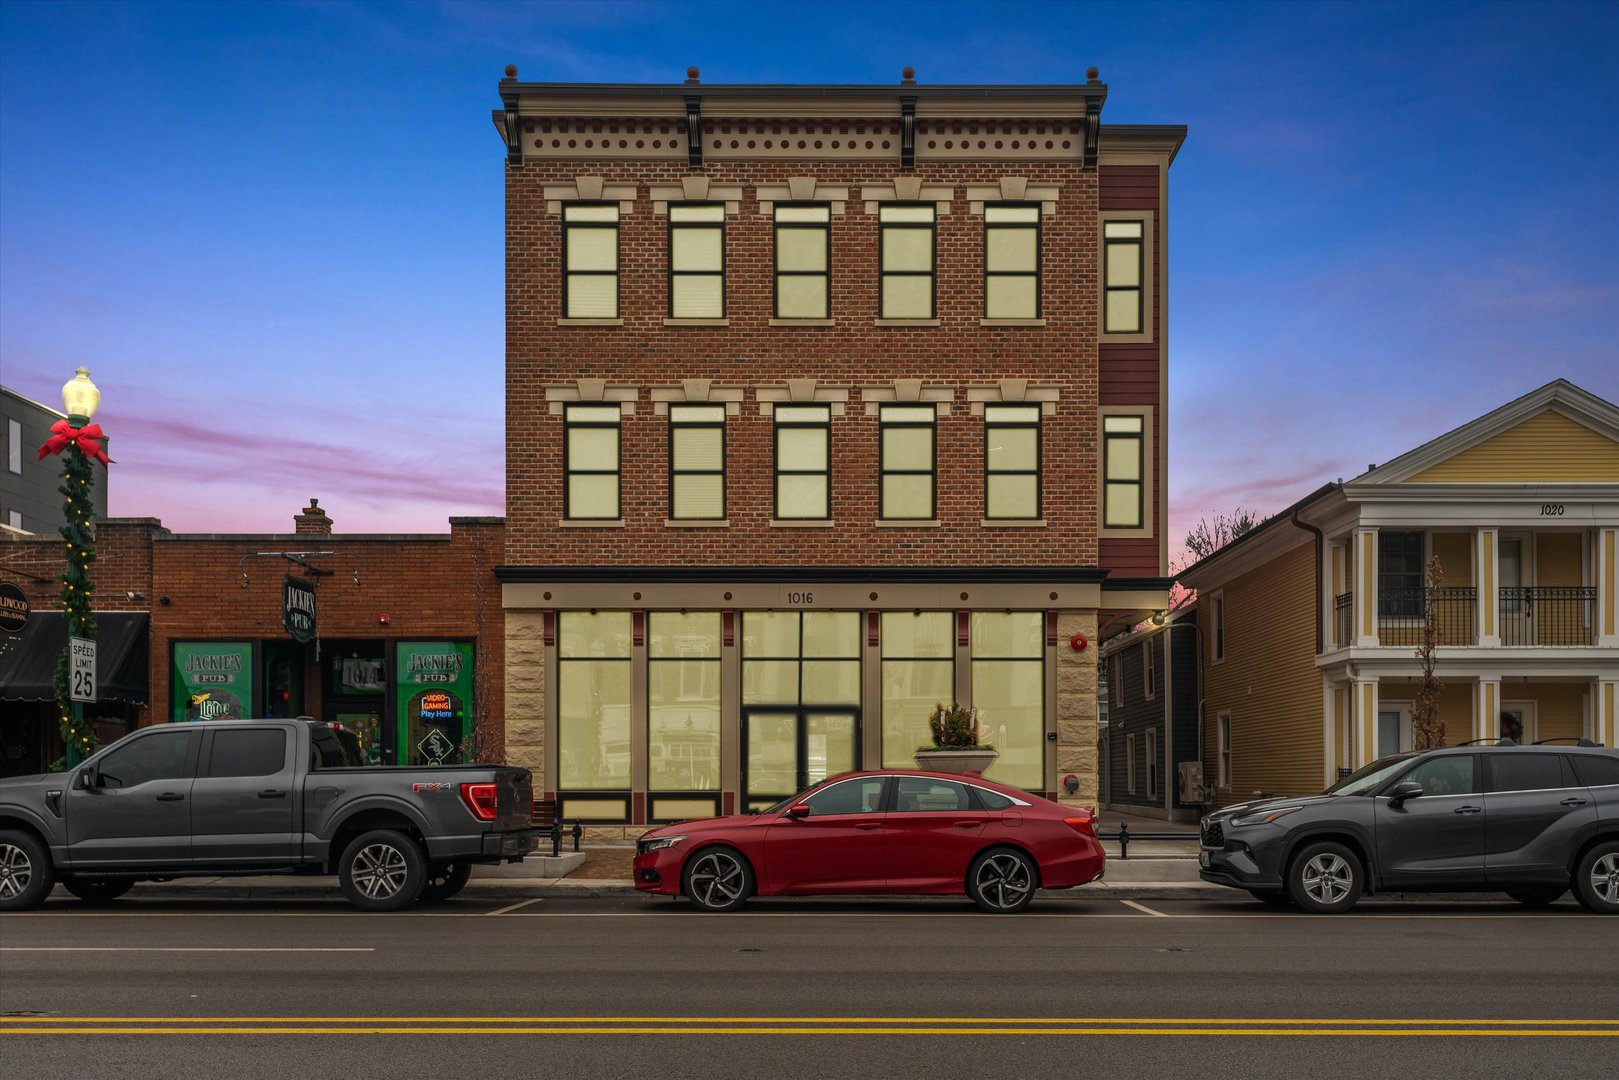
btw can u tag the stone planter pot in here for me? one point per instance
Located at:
(956, 761)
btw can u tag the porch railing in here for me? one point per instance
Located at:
(1343, 619)
(1548, 615)
(1400, 614)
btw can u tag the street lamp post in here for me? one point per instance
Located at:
(79, 442)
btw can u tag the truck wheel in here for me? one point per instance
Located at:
(94, 890)
(1596, 878)
(444, 880)
(26, 877)
(1325, 879)
(382, 870)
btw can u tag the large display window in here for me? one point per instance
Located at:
(433, 695)
(1009, 691)
(919, 672)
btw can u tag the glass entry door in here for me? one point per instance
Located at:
(787, 750)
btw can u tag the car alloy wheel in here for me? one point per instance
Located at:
(26, 875)
(1002, 881)
(379, 871)
(16, 871)
(1325, 879)
(718, 880)
(1596, 879)
(382, 870)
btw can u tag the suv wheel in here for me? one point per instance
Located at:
(1538, 898)
(1325, 879)
(1596, 878)
(382, 870)
(26, 877)
(97, 890)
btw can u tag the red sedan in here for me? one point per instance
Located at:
(914, 833)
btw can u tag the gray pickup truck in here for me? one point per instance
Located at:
(232, 797)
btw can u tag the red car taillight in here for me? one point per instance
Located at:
(1086, 825)
(481, 800)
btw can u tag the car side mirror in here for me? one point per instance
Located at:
(798, 810)
(1410, 789)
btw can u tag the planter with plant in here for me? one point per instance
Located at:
(957, 745)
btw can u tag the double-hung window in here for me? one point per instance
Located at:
(1123, 277)
(906, 232)
(1012, 261)
(1012, 462)
(1399, 574)
(803, 462)
(590, 462)
(696, 462)
(1123, 472)
(803, 261)
(590, 261)
(697, 261)
(907, 462)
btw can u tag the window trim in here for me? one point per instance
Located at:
(1217, 641)
(1152, 763)
(723, 273)
(1222, 748)
(883, 472)
(675, 425)
(775, 460)
(1148, 266)
(883, 273)
(1130, 763)
(568, 471)
(1149, 670)
(1148, 495)
(617, 273)
(1038, 424)
(1039, 257)
(777, 273)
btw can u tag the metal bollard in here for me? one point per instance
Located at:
(577, 833)
(556, 837)
(1124, 839)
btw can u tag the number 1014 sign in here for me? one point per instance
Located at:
(82, 668)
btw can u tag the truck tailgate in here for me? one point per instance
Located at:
(514, 792)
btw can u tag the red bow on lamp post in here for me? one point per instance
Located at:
(90, 439)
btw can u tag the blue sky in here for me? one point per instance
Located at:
(274, 232)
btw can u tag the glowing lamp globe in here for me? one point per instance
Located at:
(80, 398)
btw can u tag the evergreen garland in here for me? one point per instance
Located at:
(78, 479)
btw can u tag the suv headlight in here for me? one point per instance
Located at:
(1266, 816)
(659, 843)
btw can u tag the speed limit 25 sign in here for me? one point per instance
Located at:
(82, 669)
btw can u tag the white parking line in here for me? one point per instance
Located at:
(514, 907)
(1143, 907)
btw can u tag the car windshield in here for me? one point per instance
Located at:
(1366, 779)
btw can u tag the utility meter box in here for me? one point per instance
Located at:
(1191, 782)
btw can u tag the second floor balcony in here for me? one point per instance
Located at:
(1526, 616)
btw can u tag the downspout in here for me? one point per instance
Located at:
(1320, 547)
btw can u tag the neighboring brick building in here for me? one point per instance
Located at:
(410, 637)
(811, 399)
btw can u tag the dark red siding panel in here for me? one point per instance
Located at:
(1128, 375)
(1130, 558)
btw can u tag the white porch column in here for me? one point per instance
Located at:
(1607, 614)
(1329, 732)
(1487, 710)
(1605, 712)
(1363, 722)
(1364, 543)
(1486, 578)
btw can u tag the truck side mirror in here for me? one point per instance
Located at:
(87, 778)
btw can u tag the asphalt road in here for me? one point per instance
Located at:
(824, 988)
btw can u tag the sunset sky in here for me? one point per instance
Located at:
(274, 232)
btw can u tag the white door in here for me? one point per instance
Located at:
(1516, 572)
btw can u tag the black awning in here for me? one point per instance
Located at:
(28, 660)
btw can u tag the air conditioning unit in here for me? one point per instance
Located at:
(1191, 782)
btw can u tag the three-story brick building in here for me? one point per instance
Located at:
(826, 404)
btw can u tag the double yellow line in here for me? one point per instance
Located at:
(798, 1025)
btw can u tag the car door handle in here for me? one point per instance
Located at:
(968, 824)
(170, 796)
(868, 824)
(1468, 810)
(1572, 802)
(272, 793)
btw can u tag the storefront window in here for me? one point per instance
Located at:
(593, 701)
(683, 701)
(434, 695)
(790, 657)
(212, 680)
(919, 672)
(1009, 691)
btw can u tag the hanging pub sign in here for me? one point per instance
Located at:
(298, 608)
(14, 608)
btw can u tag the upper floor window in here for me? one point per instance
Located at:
(590, 462)
(1399, 574)
(803, 261)
(1012, 461)
(1012, 261)
(696, 462)
(697, 261)
(907, 462)
(14, 446)
(1123, 472)
(1123, 277)
(803, 461)
(907, 261)
(1217, 626)
(590, 261)
(1149, 669)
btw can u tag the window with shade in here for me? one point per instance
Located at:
(1123, 266)
(1009, 691)
(1011, 261)
(696, 462)
(906, 242)
(590, 261)
(697, 261)
(803, 462)
(907, 462)
(593, 700)
(803, 261)
(1123, 472)
(590, 462)
(683, 701)
(919, 672)
(1012, 462)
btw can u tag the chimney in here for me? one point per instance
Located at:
(313, 521)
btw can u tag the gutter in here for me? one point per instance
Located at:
(1320, 547)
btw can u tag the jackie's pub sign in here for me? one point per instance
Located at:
(298, 608)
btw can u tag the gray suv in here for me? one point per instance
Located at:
(1529, 821)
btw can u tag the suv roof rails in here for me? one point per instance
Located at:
(1487, 742)
(1570, 740)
